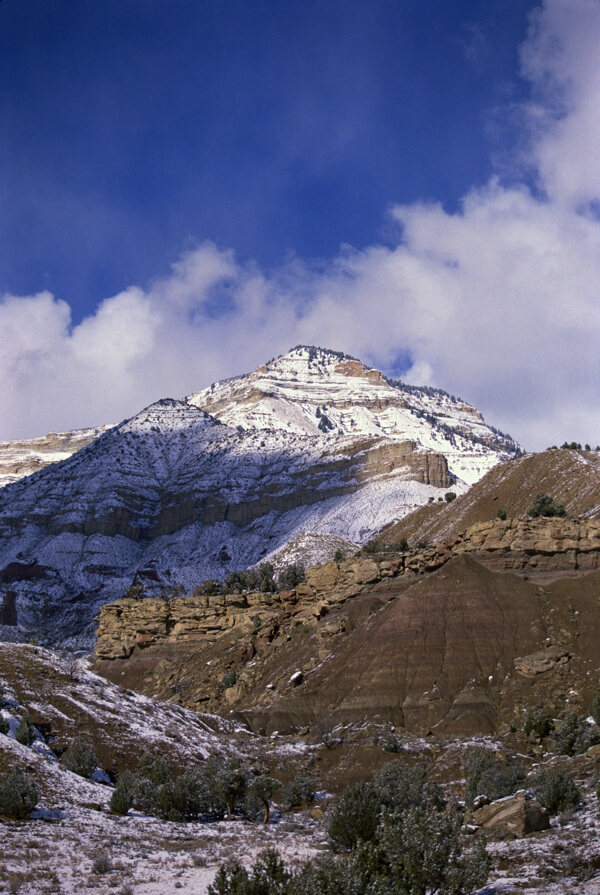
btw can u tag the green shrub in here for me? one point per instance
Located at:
(355, 817)
(121, 800)
(25, 734)
(501, 514)
(229, 679)
(80, 758)
(414, 853)
(539, 722)
(420, 851)
(4, 725)
(543, 505)
(486, 777)
(292, 575)
(259, 793)
(556, 791)
(143, 793)
(268, 877)
(400, 786)
(226, 783)
(575, 735)
(300, 791)
(18, 796)
(155, 768)
(450, 496)
(338, 556)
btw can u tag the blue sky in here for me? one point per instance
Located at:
(138, 128)
(188, 188)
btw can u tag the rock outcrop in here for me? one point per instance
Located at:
(516, 815)
(448, 638)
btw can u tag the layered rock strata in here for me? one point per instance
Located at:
(447, 638)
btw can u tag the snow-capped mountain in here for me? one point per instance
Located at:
(312, 442)
(310, 391)
(21, 458)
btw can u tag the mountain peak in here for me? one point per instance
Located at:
(326, 394)
(167, 415)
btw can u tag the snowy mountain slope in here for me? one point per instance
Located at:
(312, 391)
(175, 494)
(22, 458)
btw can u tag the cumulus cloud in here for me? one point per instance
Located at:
(497, 302)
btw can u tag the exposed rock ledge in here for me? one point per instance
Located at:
(539, 547)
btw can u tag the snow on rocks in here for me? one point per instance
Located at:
(313, 442)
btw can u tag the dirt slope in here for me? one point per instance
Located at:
(571, 477)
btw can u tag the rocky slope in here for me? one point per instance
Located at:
(312, 442)
(571, 477)
(22, 458)
(447, 638)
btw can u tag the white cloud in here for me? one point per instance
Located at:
(497, 302)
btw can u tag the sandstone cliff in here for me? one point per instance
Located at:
(445, 637)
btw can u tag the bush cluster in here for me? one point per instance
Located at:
(262, 578)
(539, 722)
(80, 758)
(575, 735)
(214, 790)
(556, 791)
(486, 777)
(299, 792)
(25, 733)
(398, 836)
(543, 505)
(18, 796)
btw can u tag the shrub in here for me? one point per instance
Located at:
(155, 768)
(121, 800)
(539, 722)
(292, 575)
(417, 852)
(487, 778)
(400, 787)
(80, 758)
(575, 735)
(18, 796)
(102, 863)
(449, 496)
(4, 725)
(355, 817)
(422, 852)
(226, 783)
(543, 505)
(259, 793)
(123, 796)
(338, 555)
(556, 791)
(501, 514)
(268, 877)
(300, 791)
(229, 679)
(25, 733)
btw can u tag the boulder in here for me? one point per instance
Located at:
(515, 815)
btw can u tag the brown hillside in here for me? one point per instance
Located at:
(462, 651)
(439, 639)
(571, 477)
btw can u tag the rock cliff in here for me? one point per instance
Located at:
(448, 637)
